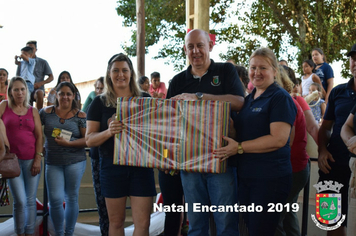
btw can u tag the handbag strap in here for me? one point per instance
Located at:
(7, 149)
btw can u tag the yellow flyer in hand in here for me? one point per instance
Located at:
(57, 132)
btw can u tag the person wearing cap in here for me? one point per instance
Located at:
(334, 157)
(348, 134)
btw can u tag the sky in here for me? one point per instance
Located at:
(79, 36)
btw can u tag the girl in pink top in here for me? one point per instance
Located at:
(157, 88)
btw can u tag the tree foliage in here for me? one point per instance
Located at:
(329, 25)
(165, 22)
(281, 24)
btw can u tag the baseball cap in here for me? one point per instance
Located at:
(353, 50)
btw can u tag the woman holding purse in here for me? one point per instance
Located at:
(23, 129)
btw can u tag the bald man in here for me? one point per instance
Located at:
(206, 80)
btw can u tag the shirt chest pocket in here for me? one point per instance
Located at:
(27, 124)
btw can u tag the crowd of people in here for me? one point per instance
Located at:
(271, 113)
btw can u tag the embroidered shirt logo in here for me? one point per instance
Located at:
(216, 81)
(257, 109)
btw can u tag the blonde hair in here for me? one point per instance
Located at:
(271, 59)
(286, 82)
(10, 98)
(109, 96)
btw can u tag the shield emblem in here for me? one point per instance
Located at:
(328, 207)
(216, 81)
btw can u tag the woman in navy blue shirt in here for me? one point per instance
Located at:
(262, 132)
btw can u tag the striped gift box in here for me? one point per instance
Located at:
(169, 134)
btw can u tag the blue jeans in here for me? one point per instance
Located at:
(63, 183)
(210, 189)
(24, 190)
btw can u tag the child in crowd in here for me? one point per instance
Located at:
(324, 71)
(309, 77)
(297, 89)
(144, 84)
(317, 105)
(27, 66)
(157, 88)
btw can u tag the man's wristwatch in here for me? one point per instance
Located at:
(199, 95)
(240, 150)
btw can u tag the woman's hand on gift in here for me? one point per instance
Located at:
(224, 153)
(115, 127)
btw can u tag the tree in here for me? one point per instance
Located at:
(280, 24)
(329, 25)
(165, 22)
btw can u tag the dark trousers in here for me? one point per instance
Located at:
(172, 193)
(340, 174)
(100, 200)
(267, 193)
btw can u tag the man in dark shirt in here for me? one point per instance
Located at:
(334, 156)
(206, 80)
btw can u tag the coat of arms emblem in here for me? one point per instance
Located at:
(328, 206)
(216, 81)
